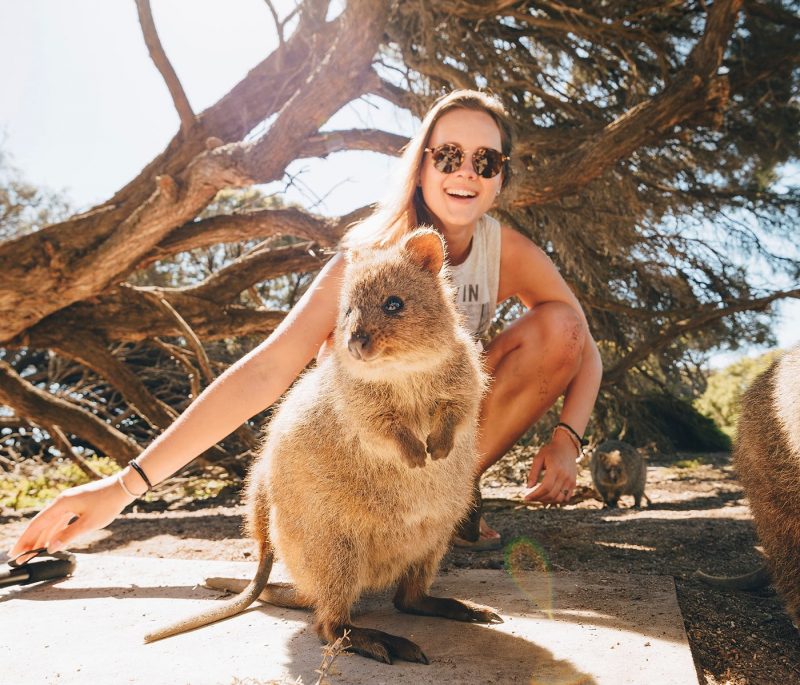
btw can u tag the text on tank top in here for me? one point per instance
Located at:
(477, 278)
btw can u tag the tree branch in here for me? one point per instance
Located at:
(186, 330)
(708, 315)
(374, 140)
(163, 65)
(91, 351)
(125, 315)
(399, 97)
(696, 90)
(339, 78)
(44, 409)
(63, 443)
(227, 283)
(259, 224)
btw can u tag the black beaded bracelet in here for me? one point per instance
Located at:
(132, 463)
(581, 441)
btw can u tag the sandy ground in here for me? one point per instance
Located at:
(698, 518)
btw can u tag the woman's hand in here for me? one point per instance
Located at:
(75, 511)
(558, 459)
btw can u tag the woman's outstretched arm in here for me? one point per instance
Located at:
(246, 388)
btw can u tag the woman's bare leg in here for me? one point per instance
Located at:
(531, 364)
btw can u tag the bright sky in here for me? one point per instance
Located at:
(84, 108)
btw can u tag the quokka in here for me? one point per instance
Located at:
(369, 461)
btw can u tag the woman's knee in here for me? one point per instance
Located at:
(563, 329)
(552, 333)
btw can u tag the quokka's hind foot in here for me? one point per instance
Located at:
(374, 644)
(448, 607)
(278, 594)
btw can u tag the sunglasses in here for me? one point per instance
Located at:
(448, 157)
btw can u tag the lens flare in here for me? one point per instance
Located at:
(522, 556)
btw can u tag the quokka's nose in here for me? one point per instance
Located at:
(359, 344)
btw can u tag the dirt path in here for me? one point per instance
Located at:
(698, 518)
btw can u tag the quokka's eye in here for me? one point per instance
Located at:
(393, 304)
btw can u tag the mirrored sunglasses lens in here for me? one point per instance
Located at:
(448, 158)
(487, 162)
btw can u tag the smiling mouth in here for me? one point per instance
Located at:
(462, 194)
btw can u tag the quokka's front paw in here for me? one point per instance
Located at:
(439, 445)
(413, 452)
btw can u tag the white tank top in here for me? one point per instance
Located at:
(477, 278)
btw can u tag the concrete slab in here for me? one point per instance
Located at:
(560, 629)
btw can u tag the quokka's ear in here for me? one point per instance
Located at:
(426, 247)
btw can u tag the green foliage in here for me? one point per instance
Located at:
(35, 484)
(690, 464)
(25, 208)
(680, 425)
(42, 483)
(720, 401)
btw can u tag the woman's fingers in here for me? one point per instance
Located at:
(536, 468)
(553, 489)
(76, 511)
(72, 529)
(42, 529)
(37, 530)
(59, 530)
(545, 490)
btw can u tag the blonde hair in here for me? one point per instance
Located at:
(403, 209)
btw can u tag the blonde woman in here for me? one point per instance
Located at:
(450, 175)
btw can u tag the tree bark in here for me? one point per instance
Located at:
(44, 409)
(258, 224)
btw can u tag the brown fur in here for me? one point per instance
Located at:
(618, 469)
(368, 463)
(767, 459)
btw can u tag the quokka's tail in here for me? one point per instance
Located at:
(225, 609)
(753, 580)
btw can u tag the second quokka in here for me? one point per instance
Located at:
(767, 459)
(369, 461)
(618, 469)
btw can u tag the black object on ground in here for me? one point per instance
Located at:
(60, 565)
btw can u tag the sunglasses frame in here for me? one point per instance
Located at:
(463, 154)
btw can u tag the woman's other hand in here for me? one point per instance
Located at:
(75, 511)
(558, 460)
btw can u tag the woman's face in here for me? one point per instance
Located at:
(459, 199)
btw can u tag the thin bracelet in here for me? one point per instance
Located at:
(125, 487)
(132, 463)
(571, 438)
(581, 442)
